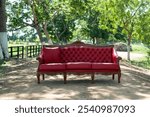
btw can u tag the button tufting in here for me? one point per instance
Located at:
(85, 54)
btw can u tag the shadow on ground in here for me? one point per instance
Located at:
(19, 82)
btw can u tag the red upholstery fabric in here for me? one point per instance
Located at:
(51, 54)
(92, 70)
(105, 66)
(86, 54)
(78, 59)
(114, 56)
(40, 58)
(78, 65)
(52, 66)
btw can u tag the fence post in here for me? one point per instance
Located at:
(26, 51)
(17, 51)
(22, 51)
(30, 51)
(11, 51)
(33, 51)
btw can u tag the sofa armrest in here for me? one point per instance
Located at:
(40, 58)
(115, 56)
(119, 59)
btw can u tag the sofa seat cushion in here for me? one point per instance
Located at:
(51, 54)
(105, 66)
(78, 65)
(52, 66)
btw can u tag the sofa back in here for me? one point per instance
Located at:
(86, 54)
(51, 55)
(78, 52)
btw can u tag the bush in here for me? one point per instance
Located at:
(121, 47)
(140, 48)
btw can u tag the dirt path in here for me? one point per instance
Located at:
(19, 82)
(134, 56)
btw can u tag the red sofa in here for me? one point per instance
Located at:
(78, 58)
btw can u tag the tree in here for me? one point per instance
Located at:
(40, 15)
(27, 13)
(143, 31)
(87, 20)
(3, 33)
(61, 28)
(125, 14)
(93, 29)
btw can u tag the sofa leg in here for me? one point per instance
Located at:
(43, 76)
(38, 78)
(119, 77)
(92, 77)
(113, 76)
(65, 78)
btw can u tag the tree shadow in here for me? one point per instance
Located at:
(21, 83)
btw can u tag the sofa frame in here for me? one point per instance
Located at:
(78, 72)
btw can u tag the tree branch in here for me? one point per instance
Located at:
(65, 27)
(27, 24)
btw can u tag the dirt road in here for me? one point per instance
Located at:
(134, 56)
(20, 83)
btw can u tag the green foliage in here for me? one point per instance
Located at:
(63, 19)
(144, 61)
(139, 48)
(40, 14)
(61, 28)
(93, 28)
(123, 13)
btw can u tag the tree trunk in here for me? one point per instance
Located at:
(93, 40)
(47, 34)
(128, 47)
(37, 27)
(3, 34)
(36, 23)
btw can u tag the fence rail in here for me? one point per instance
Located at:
(24, 51)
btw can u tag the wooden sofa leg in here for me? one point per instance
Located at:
(65, 78)
(38, 78)
(119, 77)
(92, 77)
(43, 76)
(113, 76)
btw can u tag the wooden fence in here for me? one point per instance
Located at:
(24, 51)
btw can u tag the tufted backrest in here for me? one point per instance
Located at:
(86, 54)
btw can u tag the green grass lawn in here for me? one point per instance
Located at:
(141, 62)
(139, 48)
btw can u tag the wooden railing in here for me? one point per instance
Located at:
(16, 51)
(24, 51)
(33, 50)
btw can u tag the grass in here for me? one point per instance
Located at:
(139, 48)
(21, 43)
(143, 62)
